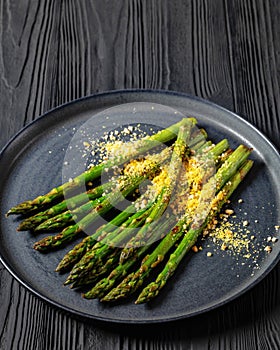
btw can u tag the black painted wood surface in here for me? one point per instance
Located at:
(226, 51)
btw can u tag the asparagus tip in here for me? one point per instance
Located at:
(22, 227)
(12, 211)
(68, 281)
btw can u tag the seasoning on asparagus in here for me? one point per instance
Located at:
(191, 236)
(115, 197)
(168, 185)
(144, 145)
(135, 280)
(163, 199)
(161, 203)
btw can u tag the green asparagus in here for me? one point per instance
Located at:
(70, 203)
(133, 281)
(75, 254)
(191, 236)
(68, 217)
(113, 198)
(94, 172)
(121, 270)
(179, 151)
(120, 255)
(93, 260)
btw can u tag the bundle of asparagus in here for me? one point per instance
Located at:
(191, 180)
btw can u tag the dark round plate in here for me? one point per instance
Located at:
(31, 164)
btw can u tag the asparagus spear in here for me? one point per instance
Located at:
(121, 270)
(68, 217)
(64, 219)
(91, 266)
(57, 193)
(31, 222)
(51, 219)
(108, 265)
(160, 204)
(133, 281)
(164, 197)
(144, 233)
(75, 254)
(79, 250)
(113, 198)
(231, 165)
(191, 236)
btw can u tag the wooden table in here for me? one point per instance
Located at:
(225, 51)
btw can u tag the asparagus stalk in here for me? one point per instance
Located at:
(133, 281)
(210, 155)
(31, 222)
(113, 198)
(121, 270)
(160, 204)
(231, 165)
(191, 236)
(177, 157)
(109, 264)
(142, 146)
(95, 260)
(62, 220)
(164, 197)
(75, 254)
(51, 219)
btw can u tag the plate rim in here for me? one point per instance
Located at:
(127, 91)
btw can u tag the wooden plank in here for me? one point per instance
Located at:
(255, 64)
(226, 51)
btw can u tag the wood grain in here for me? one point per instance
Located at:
(52, 52)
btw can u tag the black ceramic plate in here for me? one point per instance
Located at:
(32, 163)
